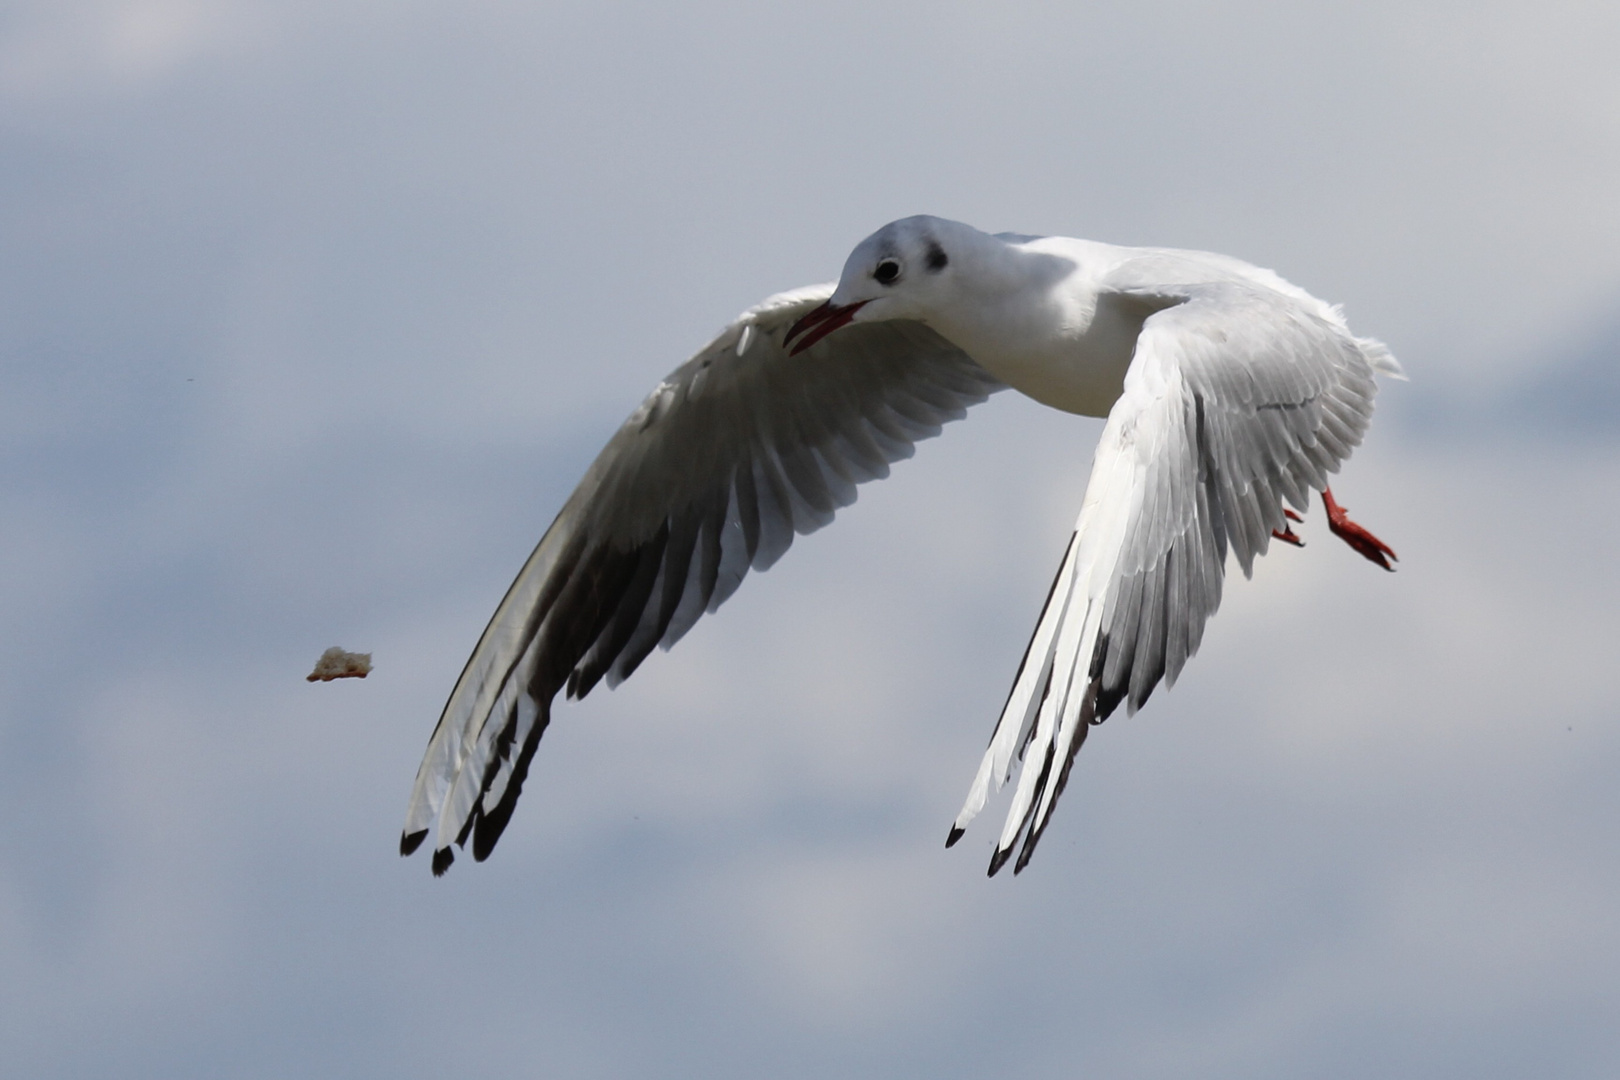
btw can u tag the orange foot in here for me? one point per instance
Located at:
(1363, 541)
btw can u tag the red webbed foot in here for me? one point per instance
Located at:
(1371, 548)
(1287, 535)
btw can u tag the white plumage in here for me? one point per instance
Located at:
(1228, 391)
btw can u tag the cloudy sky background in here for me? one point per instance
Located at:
(312, 313)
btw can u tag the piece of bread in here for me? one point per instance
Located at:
(337, 664)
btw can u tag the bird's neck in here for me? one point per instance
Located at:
(1030, 316)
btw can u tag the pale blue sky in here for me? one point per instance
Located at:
(312, 313)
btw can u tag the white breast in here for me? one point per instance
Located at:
(1071, 355)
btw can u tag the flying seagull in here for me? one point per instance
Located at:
(1228, 392)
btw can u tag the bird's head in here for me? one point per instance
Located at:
(905, 270)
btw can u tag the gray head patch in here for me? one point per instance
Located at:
(937, 259)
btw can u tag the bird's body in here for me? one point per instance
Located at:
(1049, 335)
(1227, 390)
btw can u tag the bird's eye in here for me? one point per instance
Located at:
(887, 271)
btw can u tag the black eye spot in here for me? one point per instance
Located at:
(887, 272)
(937, 259)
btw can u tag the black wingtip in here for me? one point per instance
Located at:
(442, 860)
(409, 842)
(998, 860)
(956, 834)
(492, 824)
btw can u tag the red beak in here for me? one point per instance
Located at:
(819, 323)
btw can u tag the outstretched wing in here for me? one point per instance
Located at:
(736, 451)
(1237, 397)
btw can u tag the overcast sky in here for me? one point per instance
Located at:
(311, 314)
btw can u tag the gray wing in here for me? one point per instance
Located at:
(736, 451)
(1237, 398)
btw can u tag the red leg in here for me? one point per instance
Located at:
(1363, 541)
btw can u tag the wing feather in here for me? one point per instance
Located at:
(1238, 397)
(728, 458)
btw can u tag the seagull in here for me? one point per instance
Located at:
(1230, 394)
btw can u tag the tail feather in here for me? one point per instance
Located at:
(1382, 360)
